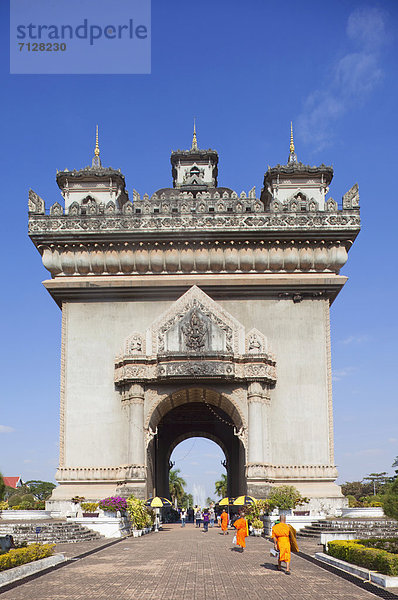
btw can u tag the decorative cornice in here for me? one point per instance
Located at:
(238, 368)
(52, 227)
(99, 474)
(288, 473)
(279, 286)
(299, 169)
(195, 256)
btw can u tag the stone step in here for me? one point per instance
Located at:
(49, 532)
(364, 529)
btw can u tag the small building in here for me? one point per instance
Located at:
(13, 482)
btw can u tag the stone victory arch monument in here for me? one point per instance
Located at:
(195, 312)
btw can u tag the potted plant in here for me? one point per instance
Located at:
(257, 527)
(89, 509)
(113, 506)
(139, 515)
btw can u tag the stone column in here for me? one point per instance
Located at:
(255, 395)
(134, 402)
(266, 427)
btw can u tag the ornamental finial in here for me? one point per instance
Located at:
(194, 140)
(291, 137)
(97, 150)
(292, 156)
(96, 162)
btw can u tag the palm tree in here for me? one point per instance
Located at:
(221, 486)
(176, 486)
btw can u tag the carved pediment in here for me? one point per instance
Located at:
(195, 339)
(195, 323)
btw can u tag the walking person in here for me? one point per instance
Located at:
(242, 531)
(198, 516)
(183, 517)
(212, 515)
(281, 533)
(206, 519)
(224, 522)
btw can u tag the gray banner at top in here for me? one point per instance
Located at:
(80, 37)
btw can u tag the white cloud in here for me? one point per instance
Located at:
(6, 429)
(341, 373)
(392, 440)
(355, 339)
(369, 452)
(366, 26)
(354, 76)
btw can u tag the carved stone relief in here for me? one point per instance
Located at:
(195, 339)
(35, 203)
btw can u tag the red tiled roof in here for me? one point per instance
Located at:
(11, 481)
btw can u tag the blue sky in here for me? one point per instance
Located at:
(244, 71)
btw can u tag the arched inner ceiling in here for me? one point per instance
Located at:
(214, 403)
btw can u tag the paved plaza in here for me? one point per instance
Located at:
(184, 564)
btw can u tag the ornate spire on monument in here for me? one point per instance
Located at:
(292, 156)
(194, 140)
(96, 159)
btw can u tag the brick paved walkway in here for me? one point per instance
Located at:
(185, 564)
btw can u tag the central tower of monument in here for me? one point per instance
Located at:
(196, 312)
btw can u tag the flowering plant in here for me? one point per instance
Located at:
(140, 516)
(113, 503)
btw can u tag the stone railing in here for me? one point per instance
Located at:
(278, 221)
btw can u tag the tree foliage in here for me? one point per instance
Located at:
(390, 501)
(186, 501)
(24, 500)
(2, 487)
(377, 480)
(221, 486)
(285, 497)
(357, 489)
(41, 490)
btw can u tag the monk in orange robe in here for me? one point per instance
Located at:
(242, 531)
(224, 522)
(280, 535)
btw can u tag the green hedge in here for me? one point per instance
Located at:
(371, 558)
(21, 556)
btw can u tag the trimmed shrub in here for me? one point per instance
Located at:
(25, 501)
(357, 553)
(21, 556)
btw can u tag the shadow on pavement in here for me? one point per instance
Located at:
(270, 567)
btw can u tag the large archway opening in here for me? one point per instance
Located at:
(196, 413)
(200, 462)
